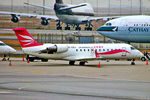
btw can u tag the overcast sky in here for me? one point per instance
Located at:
(94, 3)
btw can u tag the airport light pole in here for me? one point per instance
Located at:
(131, 8)
(11, 5)
(141, 7)
(109, 7)
(28, 6)
(97, 8)
(43, 8)
(120, 7)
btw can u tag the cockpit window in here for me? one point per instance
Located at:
(2, 44)
(108, 24)
(132, 48)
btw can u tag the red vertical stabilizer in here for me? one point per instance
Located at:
(25, 39)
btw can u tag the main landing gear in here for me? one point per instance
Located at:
(88, 26)
(58, 25)
(78, 28)
(71, 62)
(82, 63)
(67, 27)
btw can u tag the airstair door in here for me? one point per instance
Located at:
(123, 51)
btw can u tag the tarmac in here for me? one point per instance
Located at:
(59, 81)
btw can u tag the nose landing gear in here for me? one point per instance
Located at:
(132, 62)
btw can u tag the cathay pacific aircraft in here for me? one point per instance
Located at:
(129, 29)
(75, 52)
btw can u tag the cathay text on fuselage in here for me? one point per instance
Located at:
(138, 29)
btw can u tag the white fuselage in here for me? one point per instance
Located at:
(5, 49)
(78, 52)
(139, 20)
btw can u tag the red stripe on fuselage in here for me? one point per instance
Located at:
(110, 52)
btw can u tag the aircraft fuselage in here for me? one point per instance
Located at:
(129, 29)
(129, 34)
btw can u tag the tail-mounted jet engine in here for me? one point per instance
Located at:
(55, 49)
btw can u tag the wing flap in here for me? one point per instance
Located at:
(100, 18)
(30, 15)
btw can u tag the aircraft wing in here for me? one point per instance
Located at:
(30, 15)
(100, 18)
(46, 7)
(83, 58)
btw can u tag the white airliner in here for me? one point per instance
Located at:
(74, 52)
(130, 29)
(66, 13)
(5, 49)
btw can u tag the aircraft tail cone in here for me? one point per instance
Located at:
(10, 63)
(146, 62)
(99, 65)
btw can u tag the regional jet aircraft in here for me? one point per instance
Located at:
(5, 50)
(69, 14)
(74, 52)
(130, 29)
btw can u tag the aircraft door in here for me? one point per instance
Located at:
(124, 53)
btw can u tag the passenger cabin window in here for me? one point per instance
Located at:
(132, 48)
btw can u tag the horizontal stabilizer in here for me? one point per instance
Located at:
(39, 6)
(71, 7)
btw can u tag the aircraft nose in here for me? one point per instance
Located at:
(11, 50)
(139, 54)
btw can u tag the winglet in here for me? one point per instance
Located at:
(25, 39)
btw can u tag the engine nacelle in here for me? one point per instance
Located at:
(59, 48)
(15, 19)
(44, 22)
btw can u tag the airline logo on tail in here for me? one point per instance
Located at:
(28, 40)
(25, 38)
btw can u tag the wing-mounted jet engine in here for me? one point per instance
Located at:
(15, 18)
